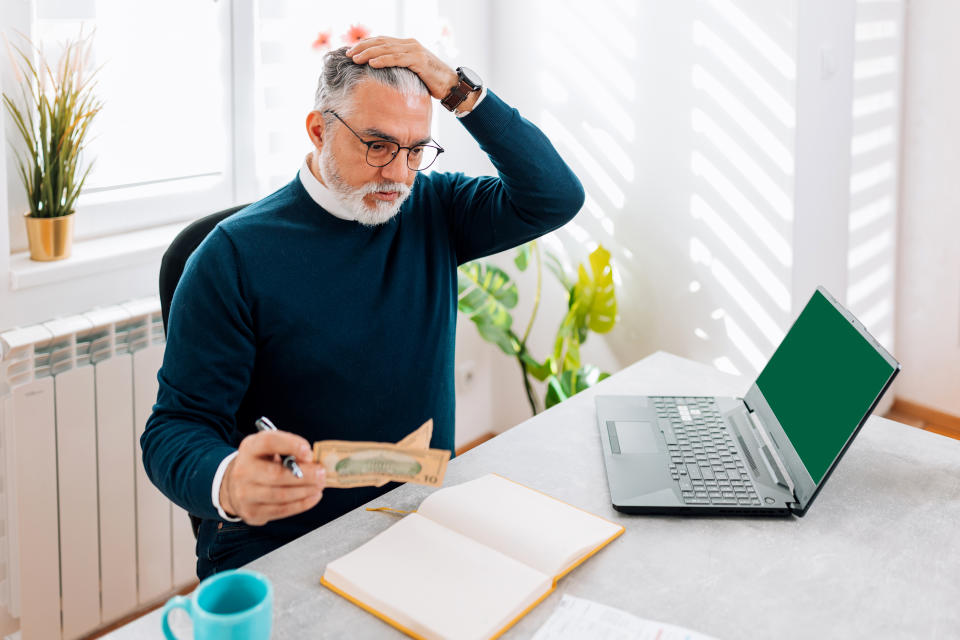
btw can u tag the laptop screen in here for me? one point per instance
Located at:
(821, 381)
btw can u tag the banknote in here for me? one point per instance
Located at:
(359, 464)
(419, 439)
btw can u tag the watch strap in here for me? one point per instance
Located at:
(458, 93)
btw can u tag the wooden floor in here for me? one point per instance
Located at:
(917, 415)
(136, 614)
(475, 443)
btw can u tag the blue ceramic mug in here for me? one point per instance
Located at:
(232, 605)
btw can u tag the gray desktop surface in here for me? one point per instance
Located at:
(877, 555)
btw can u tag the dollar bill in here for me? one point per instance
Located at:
(419, 439)
(360, 464)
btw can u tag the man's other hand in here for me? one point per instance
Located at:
(383, 51)
(258, 489)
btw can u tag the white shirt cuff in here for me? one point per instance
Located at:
(217, 480)
(483, 94)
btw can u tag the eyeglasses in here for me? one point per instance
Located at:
(380, 153)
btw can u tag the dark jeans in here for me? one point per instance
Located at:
(229, 545)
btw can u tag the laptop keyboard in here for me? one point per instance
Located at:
(704, 461)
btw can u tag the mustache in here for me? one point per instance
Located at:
(373, 187)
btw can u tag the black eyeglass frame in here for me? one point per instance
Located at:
(393, 157)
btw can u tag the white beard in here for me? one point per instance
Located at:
(352, 197)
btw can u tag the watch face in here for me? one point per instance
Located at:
(471, 77)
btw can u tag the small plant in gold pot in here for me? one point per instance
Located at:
(56, 106)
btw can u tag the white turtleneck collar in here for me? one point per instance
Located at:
(321, 194)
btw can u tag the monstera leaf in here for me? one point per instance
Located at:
(566, 346)
(596, 293)
(540, 371)
(522, 259)
(569, 383)
(486, 294)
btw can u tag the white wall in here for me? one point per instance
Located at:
(928, 276)
(613, 86)
(875, 159)
(713, 139)
(475, 359)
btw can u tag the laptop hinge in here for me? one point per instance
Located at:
(773, 463)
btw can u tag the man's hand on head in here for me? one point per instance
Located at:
(383, 51)
(258, 489)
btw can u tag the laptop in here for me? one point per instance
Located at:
(768, 453)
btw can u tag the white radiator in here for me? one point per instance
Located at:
(86, 538)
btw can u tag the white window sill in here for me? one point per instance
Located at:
(91, 257)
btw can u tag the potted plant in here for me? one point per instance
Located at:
(487, 295)
(54, 115)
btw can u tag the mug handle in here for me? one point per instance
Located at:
(173, 603)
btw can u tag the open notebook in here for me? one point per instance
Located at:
(471, 561)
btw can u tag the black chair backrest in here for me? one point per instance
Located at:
(176, 255)
(171, 268)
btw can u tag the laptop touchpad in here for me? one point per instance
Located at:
(633, 436)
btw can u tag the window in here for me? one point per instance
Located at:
(204, 100)
(292, 38)
(162, 143)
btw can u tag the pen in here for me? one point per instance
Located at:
(290, 462)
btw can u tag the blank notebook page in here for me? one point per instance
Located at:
(534, 528)
(436, 582)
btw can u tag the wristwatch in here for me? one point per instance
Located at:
(469, 82)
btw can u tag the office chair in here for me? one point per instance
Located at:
(171, 268)
(176, 255)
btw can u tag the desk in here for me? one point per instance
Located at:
(878, 554)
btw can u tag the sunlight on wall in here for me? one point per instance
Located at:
(773, 235)
(873, 140)
(607, 88)
(871, 213)
(742, 162)
(600, 141)
(753, 80)
(874, 152)
(753, 262)
(761, 41)
(651, 104)
(681, 121)
(571, 146)
(746, 120)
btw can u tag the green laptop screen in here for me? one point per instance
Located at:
(821, 381)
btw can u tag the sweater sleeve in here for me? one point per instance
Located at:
(207, 365)
(535, 191)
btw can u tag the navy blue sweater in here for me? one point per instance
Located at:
(335, 330)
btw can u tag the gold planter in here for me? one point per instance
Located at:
(50, 238)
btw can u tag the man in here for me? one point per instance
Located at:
(330, 306)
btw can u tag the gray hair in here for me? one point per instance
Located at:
(341, 75)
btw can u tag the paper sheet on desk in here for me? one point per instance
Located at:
(576, 618)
